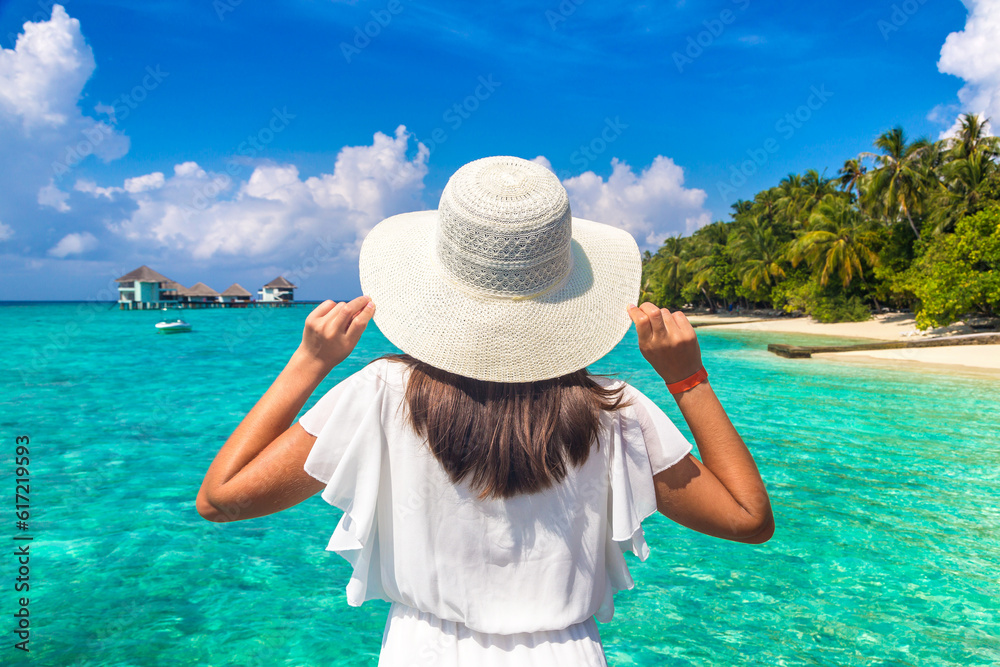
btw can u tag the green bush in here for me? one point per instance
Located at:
(823, 304)
(794, 292)
(959, 273)
(839, 309)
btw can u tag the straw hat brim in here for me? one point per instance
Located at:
(431, 317)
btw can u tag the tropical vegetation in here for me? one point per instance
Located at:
(913, 225)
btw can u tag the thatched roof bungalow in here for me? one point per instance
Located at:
(199, 293)
(141, 286)
(278, 289)
(235, 293)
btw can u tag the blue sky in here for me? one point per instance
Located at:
(232, 141)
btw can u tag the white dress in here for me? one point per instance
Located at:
(498, 582)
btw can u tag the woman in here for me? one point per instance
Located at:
(490, 485)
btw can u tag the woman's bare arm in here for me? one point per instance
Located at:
(723, 495)
(259, 471)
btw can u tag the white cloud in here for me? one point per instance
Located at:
(152, 181)
(90, 187)
(42, 76)
(651, 205)
(74, 244)
(544, 161)
(972, 55)
(189, 169)
(41, 80)
(108, 110)
(52, 196)
(275, 214)
(6, 232)
(44, 133)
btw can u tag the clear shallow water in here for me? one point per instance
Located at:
(885, 486)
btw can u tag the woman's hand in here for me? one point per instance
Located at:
(332, 331)
(259, 469)
(667, 341)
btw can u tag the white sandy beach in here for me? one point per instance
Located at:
(983, 357)
(890, 326)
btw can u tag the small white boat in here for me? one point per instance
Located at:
(173, 326)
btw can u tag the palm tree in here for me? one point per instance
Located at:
(741, 206)
(702, 270)
(850, 177)
(836, 243)
(673, 265)
(815, 187)
(706, 255)
(964, 182)
(973, 138)
(759, 253)
(792, 198)
(714, 234)
(645, 293)
(899, 179)
(765, 203)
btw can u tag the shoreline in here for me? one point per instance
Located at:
(981, 359)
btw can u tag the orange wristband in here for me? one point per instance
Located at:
(688, 383)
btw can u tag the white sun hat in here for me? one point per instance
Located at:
(501, 283)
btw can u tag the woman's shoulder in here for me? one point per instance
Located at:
(376, 374)
(628, 391)
(645, 420)
(388, 371)
(644, 408)
(609, 382)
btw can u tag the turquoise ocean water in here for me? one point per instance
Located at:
(884, 482)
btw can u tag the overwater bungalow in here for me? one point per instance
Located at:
(278, 289)
(236, 294)
(142, 289)
(170, 291)
(200, 293)
(146, 289)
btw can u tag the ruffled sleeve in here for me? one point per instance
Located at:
(642, 441)
(663, 441)
(347, 456)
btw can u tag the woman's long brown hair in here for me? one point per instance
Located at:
(503, 439)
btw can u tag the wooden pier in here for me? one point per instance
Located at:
(189, 305)
(806, 351)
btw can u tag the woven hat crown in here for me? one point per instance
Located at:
(504, 228)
